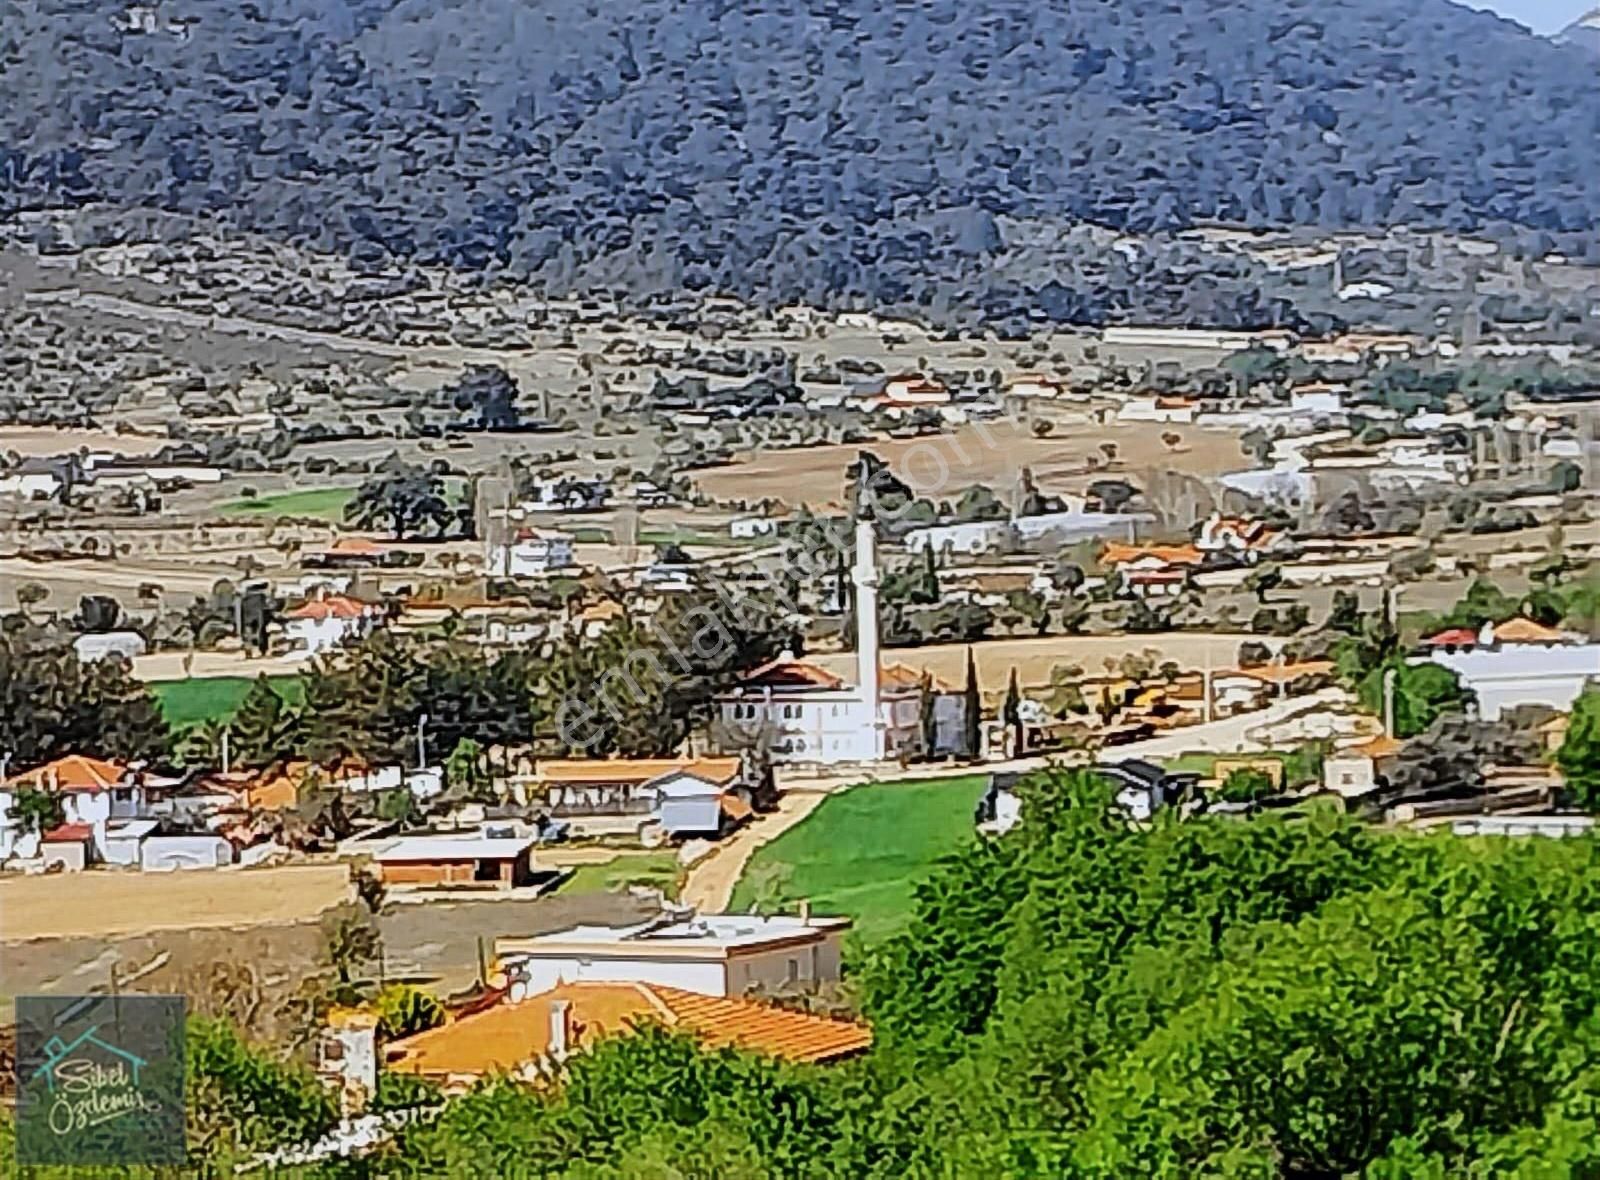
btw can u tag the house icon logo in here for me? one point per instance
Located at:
(100, 1080)
(60, 1056)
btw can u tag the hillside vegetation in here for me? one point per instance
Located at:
(829, 150)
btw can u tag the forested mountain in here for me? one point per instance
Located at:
(815, 149)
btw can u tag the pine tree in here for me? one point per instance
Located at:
(263, 727)
(1012, 712)
(972, 710)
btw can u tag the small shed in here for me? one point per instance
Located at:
(423, 862)
(70, 845)
(689, 805)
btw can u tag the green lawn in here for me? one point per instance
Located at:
(658, 869)
(323, 503)
(862, 852)
(185, 703)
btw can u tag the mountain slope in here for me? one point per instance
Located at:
(819, 149)
(1583, 32)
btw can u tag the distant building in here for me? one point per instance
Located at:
(525, 1036)
(1035, 385)
(810, 715)
(1362, 769)
(1177, 411)
(465, 861)
(94, 794)
(530, 553)
(710, 954)
(913, 389)
(1517, 663)
(104, 644)
(748, 528)
(325, 623)
(969, 537)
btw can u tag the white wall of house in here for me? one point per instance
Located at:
(979, 536)
(319, 635)
(708, 977)
(531, 557)
(163, 853)
(816, 961)
(826, 726)
(1523, 674)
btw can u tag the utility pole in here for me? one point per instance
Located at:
(422, 742)
(227, 749)
(1388, 702)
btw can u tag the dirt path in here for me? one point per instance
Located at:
(709, 885)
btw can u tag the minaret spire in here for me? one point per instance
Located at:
(865, 577)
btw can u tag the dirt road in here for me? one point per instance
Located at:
(709, 885)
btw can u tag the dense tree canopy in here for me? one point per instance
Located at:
(827, 151)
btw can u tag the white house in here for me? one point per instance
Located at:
(1518, 663)
(530, 553)
(93, 793)
(811, 714)
(724, 955)
(30, 483)
(1178, 411)
(1035, 385)
(748, 528)
(973, 536)
(327, 622)
(913, 389)
(102, 645)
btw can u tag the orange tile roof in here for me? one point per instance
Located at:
(1526, 631)
(357, 547)
(1453, 637)
(1284, 673)
(633, 770)
(334, 606)
(75, 772)
(1117, 553)
(1382, 746)
(508, 1036)
(792, 672)
(898, 675)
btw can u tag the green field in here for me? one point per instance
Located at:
(658, 869)
(863, 851)
(323, 503)
(185, 703)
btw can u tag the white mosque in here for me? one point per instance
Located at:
(812, 715)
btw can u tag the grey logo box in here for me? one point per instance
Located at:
(100, 1080)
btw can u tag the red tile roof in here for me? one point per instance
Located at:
(75, 772)
(791, 673)
(507, 1036)
(69, 834)
(1453, 637)
(334, 606)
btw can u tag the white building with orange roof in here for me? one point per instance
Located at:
(93, 793)
(810, 715)
(526, 1037)
(1518, 662)
(327, 621)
